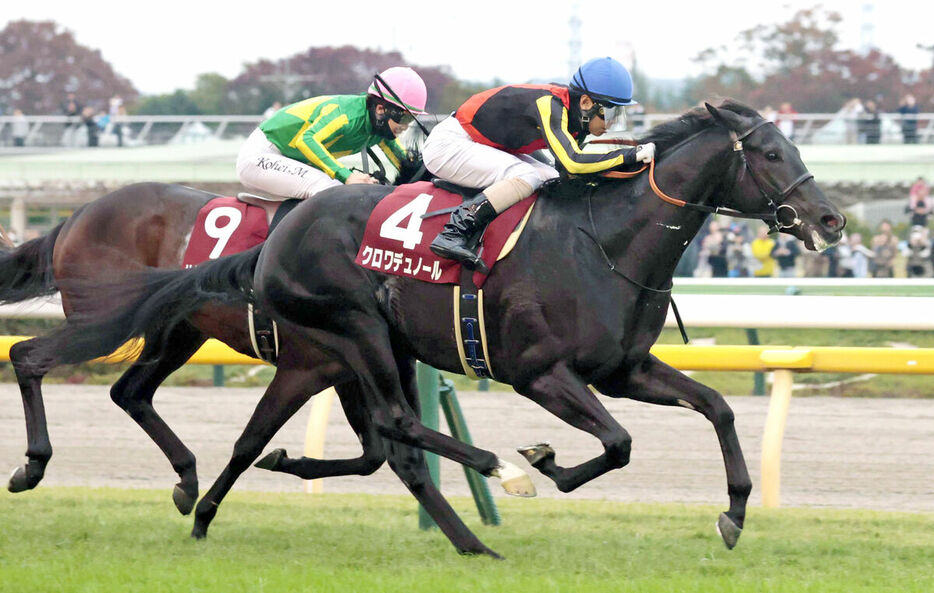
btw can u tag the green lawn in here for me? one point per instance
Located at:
(68, 539)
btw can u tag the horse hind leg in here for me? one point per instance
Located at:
(365, 347)
(657, 383)
(288, 392)
(134, 392)
(29, 374)
(308, 468)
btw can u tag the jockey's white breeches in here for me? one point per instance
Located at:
(451, 154)
(262, 168)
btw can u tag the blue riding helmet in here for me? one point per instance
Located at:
(605, 81)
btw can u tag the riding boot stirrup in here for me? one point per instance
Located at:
(461, 234)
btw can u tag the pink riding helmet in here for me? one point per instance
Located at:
(407, 86)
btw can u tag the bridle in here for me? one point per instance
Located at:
(775, 200)
(773, 197)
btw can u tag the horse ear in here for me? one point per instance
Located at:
(723, 117)
(714, 112)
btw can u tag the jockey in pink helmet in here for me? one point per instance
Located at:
(294, 153)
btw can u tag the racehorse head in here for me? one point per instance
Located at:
(412, 140)
(771, 178)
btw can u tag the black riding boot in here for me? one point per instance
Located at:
(461, 234)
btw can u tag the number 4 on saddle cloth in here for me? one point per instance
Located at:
(396, 242)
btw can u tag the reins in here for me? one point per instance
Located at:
(612, 266)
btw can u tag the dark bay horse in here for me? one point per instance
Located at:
(580, 300)
(138, 226)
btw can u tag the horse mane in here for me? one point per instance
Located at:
(670, 133)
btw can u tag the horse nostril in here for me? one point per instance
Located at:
(834, 222)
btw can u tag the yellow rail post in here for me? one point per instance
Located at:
(783, 379)
(316, 432)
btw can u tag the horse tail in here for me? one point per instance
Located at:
(26, 271)
(147, 304)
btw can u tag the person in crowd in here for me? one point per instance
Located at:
(738, 255)
(116, 114)
(843, 267)
(272, 109)
(908, 109)
(785, 120)
(119, 121)
(762, 247)
(917, 250)
(768, 113)
(851, 112)
(860, 256)
(20, 128)
(884, 248)
(786, 252)
(294, 153)
(89, 117)
(872, 123)
(714, 247)
(919, 203)
(72, 109)
(487, 144)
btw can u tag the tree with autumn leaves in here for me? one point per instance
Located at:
(798, 61)
(795, 61)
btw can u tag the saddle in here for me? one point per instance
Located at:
(270, 206)
(228, 225)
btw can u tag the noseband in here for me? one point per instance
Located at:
(776, 205)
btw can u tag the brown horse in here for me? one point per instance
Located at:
(579, 301)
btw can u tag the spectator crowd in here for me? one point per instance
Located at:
(732, 251)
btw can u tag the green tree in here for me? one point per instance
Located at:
(210, 94)
(177, 103)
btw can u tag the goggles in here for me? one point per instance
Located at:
(613, 115)
(400, 116)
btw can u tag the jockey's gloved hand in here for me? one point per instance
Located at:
(645, 153)
(358, 177)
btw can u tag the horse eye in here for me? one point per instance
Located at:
(772, 156)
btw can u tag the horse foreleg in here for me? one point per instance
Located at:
(657, 383)
(134, 391)
(566, 396)
(29, 375)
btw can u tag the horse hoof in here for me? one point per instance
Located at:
(272, 460)
(19, 480)
(728, 530)
(199, 532)
(537, 453)
(482, 551)
(184, 501)
(514, 481)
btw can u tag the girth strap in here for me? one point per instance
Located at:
(469, 328)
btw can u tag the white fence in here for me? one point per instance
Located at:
(57, 130)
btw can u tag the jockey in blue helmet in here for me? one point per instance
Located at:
(487, 144)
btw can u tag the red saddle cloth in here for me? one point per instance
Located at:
(225, 226)
(397, 237)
